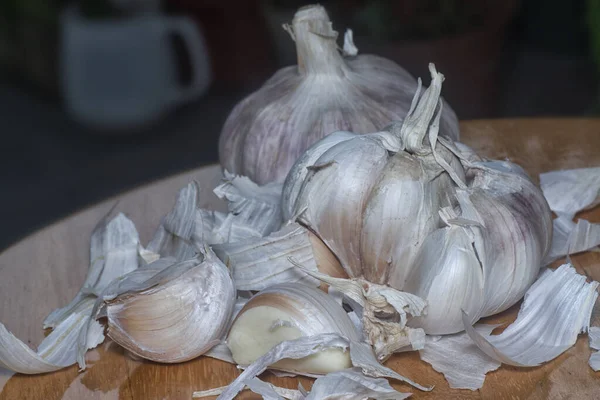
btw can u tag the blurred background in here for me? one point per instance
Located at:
(100, 96)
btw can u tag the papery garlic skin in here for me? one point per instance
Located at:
(423, 215)
(178, 314)
(287, 312)
(299, 105)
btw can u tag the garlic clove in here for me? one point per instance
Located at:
(384, 312)
(450, 278)
(336, 200)
(178, 314)
(515, 233)
(300, 170)
(556, 309)
(457, 357)
(287, 312)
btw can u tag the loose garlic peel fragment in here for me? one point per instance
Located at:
(457, 357)
(299, 105)
(556, 308)
(287, 312)
(492, 223)
(594, 338)
(113, 252)
(385, 313)
(178, 314)
(259, 262)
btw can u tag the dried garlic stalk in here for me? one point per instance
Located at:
(385, 313)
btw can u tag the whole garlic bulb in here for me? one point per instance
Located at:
(299, 105)
(178, 314)
(286, 312)
(424, 215)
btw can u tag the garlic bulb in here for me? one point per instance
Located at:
(178, 314)
(267, 131)
(424, 215)
(286, 312)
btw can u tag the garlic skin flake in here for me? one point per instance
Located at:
(570, 191)
(286, 312)
(299, 105)
(456, 356)
(594, 338)
(384, 203)
(176, 315)
(556, 308)
(572, 238)
(113, 253)
(352, 384)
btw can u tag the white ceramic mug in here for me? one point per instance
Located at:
(122, 73)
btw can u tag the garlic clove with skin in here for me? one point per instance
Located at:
(178, 314)
(287, 312)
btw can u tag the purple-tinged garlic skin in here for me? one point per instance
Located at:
(326, 92)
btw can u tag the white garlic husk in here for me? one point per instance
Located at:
(326, 92)
(424, 215)
(286, 312)
(178, 314)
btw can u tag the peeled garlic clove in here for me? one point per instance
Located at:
(266, 132)
(178, 314)
(287, 312)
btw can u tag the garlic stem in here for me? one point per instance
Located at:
(316, 46)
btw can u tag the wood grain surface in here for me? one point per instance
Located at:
(45, 270)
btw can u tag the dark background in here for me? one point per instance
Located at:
(502, 59)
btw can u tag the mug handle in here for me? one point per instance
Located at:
(196, 48)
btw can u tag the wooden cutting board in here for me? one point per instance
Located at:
(45, 271)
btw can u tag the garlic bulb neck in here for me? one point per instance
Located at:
(414, 129)
(316, 46)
